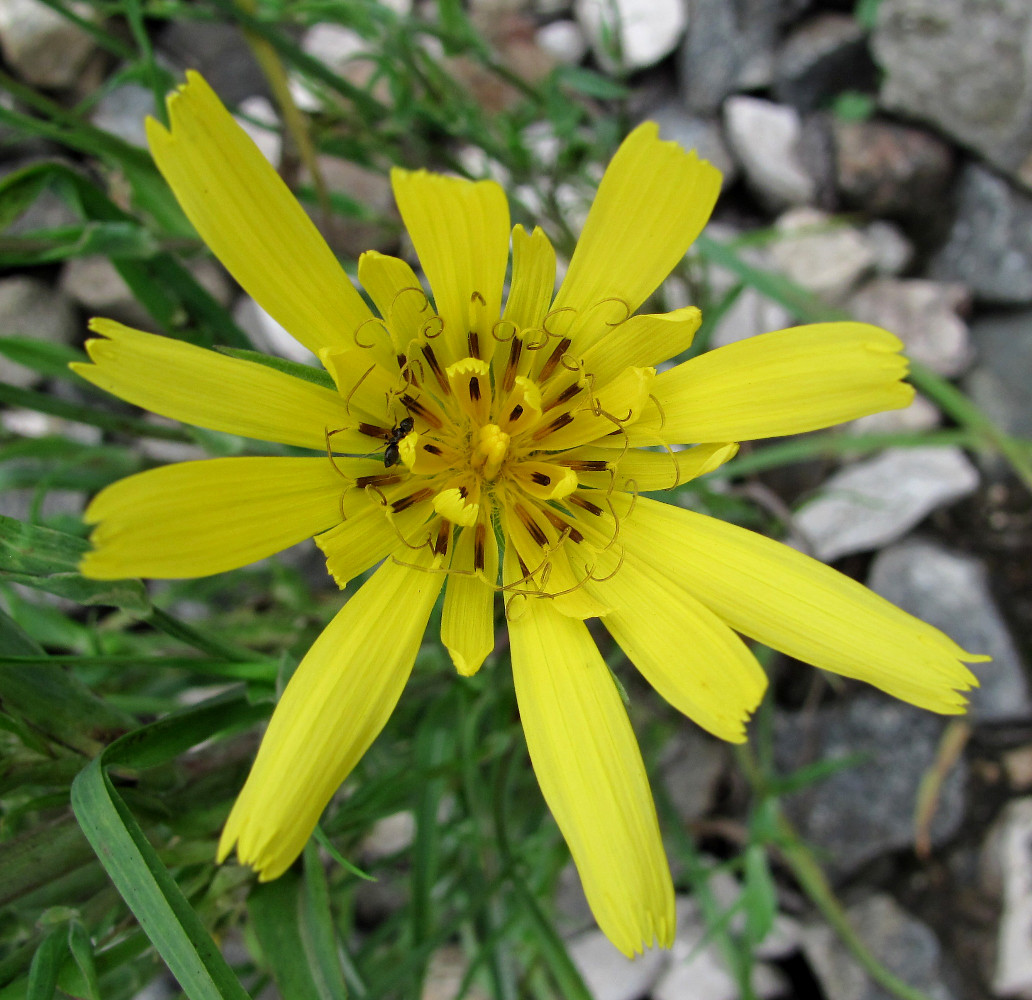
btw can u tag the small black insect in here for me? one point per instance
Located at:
(392, 455)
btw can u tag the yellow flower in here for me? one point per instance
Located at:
(514, 438)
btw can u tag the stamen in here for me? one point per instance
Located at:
(380, 481)
(568, 393)
(413, 405)
(413, 498)
(371, 430)
(474, 344)
(563, 527)
(479, 541)
(515, 350)
(553, 359)
(535, 529)
(540, 478)
(579, 501)
(440, 546)
(561, 421)
(584, 465)
(474, 389)
(435, 367)
(432, 449)
(517, 412)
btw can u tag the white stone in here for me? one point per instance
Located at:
(258, 118)
(750, 314)
(920, 415)
(764, 137)
(924, 315)
(608, 974)
(564, 41)
(646, 30)
(269, 336)
(892, 251)
(123, 111)
(821, 254)
(872, 503)
(1010, 852)
(389, 835)
(42, 47)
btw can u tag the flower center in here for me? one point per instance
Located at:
(490, 450)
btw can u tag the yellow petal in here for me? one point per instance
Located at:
(590, 770)
(681, 648)
(460, 230)
(212, 390)
(335, 705)
(398, 295)
(653, 201)
(800, 606)
(368, 535)
(533, 278)
(787, 382)
(642, 340)
(467, 624)
(638, 471)
(197, 518)
(250, 220)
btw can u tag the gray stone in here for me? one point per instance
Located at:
(691, 765)
(219, 52)
(608, 975)
(765, 139)
(1002, 383)
(891, 170)
(901, 943)
(30, 308)
(892, 251)
(989, 247)
(123, 111)
(866, 809)
(1008, 856)
(821, 254)
(750, 314)
(700, 134)
(41, 46)
(966, 67)
(872, 503)
(728, 47)
(951, 592)
(97, 286)
(698, 970)
(924, 315)
(819, 58)
(445, 974)
(258, 118)
(644, 30)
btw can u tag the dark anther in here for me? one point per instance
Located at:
(587, 505)
(474, 389)
(435, 367)
(371, 430)
(479, 540)
(540, 478)
(517, 412)
(562, 526)
(561, 421)
(535, 529)
(441, 545)
(413, 405)
(380, 481)
(515, 350)
(431, 449)
(568, 393)
(583, 465)
(553, 359)
(413, 498)
(474, 344)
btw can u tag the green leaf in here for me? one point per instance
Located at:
(81, 947)
(51, 360)
(759, 895)
(274, 908)
(47, 559)
(307, 372)
(45, 964)
(318, 935)
(133, 865)
(590, 83)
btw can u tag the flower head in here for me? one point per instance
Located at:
(497, 447)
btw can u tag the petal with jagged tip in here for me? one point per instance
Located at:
(335, 705)
(215, 391)
(246, 214)
(590, 771)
